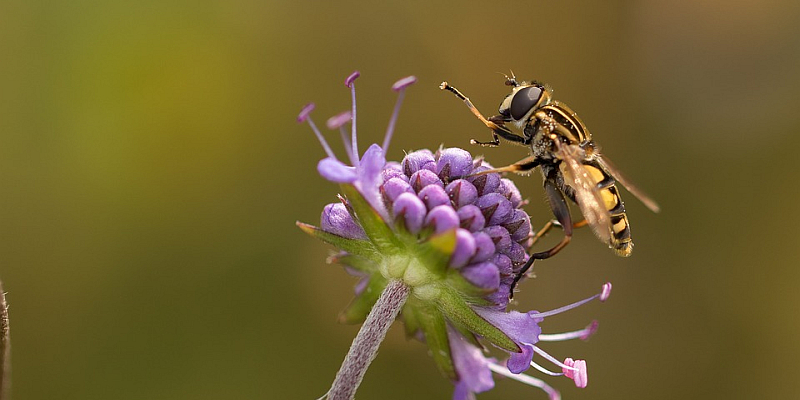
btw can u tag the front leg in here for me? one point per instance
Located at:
(497, 128)
(522, 167)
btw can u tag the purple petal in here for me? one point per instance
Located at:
(417, 160)
(423, 178)
(412, 211)
(462, 192)
(471, 218)
(369, 177)
(361, 285)
(371, 166)
(465, 248)
(474, 375)
(483, 275)
(335, 171)
(484, 247)
(337, 220)
(453, 162)
(519, 362)
(520, 327)
(442, 218)
(433, 195)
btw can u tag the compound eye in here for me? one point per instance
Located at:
(505, 107)
(524, 100)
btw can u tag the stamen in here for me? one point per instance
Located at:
(603, 296)
(351, 78)
(400, 87)
(545, 370)
(347, 148)
(606, 291)
(350, 83)
(305, 115)
(550, 358)
(582, 334)
(577, 372)
(305, 111)
(404, 83)
(528, 380)
(338, 121)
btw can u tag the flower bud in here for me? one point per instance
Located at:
(453, 163)
(465, 248)
(409, 209)
(335, 219)
(462, 192)
(423, 178)
(433, 195)
(471, 218)
(442, 218)
(418, 160)
(483, 275)
(495, 207)
(394, 187)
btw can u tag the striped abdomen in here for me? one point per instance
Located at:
(620, 229)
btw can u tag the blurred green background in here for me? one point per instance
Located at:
(151, 173)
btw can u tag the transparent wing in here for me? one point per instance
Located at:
(586, 193)
(614, 172)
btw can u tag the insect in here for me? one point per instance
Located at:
(570, 162)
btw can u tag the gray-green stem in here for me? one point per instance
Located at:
(365, 345)
(5, 347)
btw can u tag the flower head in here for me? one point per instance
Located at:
(455, 237)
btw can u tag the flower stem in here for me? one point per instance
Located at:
(369, 338)
(5, 347)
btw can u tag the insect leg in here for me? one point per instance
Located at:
(519, 167)
(561, 211)
(550, 224)
(497, 130)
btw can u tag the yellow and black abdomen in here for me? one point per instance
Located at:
(620, 228)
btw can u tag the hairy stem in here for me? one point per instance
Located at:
(5, 347)
(369, 338)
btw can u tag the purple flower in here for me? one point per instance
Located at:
(456, 238)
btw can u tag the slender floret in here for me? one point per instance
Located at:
(429, 228)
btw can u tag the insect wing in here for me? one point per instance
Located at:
(614, 172)
(587, 195)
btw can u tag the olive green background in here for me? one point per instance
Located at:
(151, 172)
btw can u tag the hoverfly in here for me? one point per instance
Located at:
(570, 162)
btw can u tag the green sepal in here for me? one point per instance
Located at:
(356, 262)
(437, 250)
(434, 328)
(353, 246)
(378, 231)
(410, 319)
(470, 337)
(356, 312)
(453, 306)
